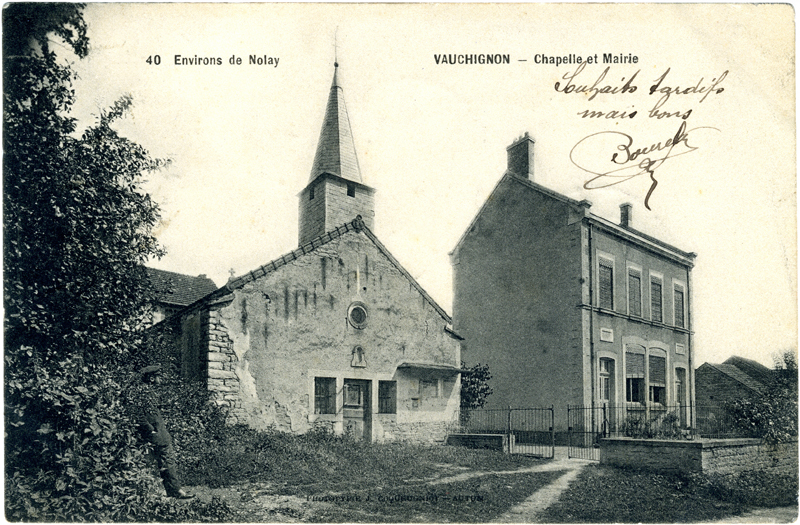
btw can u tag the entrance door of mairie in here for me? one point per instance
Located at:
(357, 409)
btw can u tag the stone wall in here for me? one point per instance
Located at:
(223, 383)
(720, 456)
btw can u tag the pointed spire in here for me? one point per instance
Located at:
(336, 151)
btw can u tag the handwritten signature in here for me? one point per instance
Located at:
(632, 161)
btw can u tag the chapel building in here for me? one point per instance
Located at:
(335, 333)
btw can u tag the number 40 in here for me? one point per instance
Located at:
(154, 59)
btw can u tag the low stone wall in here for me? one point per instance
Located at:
(718, 456)
(487, 441)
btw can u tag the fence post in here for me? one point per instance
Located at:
(552, 432)
(569, 433)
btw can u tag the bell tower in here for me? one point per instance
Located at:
(335, 193)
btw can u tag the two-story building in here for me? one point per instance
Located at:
(568, 308)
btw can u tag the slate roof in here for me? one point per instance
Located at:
(738, 375)
(336, 150)
(754, 369)
(179, 289)
(631, 235)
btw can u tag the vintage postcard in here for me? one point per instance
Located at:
(593, 200)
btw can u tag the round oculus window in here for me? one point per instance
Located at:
(357, 315)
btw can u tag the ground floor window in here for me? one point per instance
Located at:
(634, 390)
(387, 397)
(634, 377)
(324, 395)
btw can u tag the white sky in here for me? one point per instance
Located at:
(431, 138)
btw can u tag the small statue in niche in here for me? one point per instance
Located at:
(358, 358)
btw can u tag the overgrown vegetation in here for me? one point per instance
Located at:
(604, 494)
(77, 231)
(772, 415)
(475, 389)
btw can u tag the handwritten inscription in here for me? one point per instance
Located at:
(593, 154)
(606, 84)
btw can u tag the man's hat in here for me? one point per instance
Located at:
(152, 369)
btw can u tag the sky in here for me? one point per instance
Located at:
(431, 138)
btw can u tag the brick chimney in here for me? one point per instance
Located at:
(520, 157)
(625, 214)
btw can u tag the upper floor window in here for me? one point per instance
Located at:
(351, 189)
(656, 300)
(679, 306)
(634, 292)
(605, 275)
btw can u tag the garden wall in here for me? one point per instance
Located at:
(718, 456)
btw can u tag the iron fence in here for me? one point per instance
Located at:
(528, 430)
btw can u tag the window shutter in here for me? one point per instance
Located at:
(634, 365)
(606, 275)
(658, 371)
(679, 307)
(634, 292)
(656, 301)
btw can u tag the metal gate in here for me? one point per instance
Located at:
(585, 427)
(528, 431)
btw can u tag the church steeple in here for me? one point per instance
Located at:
(335, 193)
(336, 151)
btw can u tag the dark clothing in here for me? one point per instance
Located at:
(153, 430)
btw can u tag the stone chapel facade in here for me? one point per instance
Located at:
(334, 333)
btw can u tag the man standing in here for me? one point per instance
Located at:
(151, 425)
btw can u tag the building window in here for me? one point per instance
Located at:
(606, 288)
(387, 397)
(634, 292)
(606, 380)
(679, 307)
(324, 395)
(656, 300)
(311, 194)
(658, 379)
(357, 315)
(634, 377)
(680, 381)
(351, 189)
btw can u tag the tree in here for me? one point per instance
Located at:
(474, 389)
(772, 415)
(77, 230)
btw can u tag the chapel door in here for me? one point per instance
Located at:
(357, 413)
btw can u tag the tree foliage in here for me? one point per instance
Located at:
(77, 231)
(773, 414)
(475, 387)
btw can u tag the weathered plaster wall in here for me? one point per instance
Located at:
(269, 338)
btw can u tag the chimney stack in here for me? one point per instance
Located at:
(625, 214)
(520, 157)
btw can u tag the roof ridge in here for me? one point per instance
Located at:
(356, 225)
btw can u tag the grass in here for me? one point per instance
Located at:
(316, 461)
(476, 500)
(604, 494)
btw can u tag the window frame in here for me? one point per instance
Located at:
(383, 397)
(656, 278)
(633, 271)
(605, 261)
(678, 286)
(325, 402)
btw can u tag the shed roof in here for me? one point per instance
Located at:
(179, 289)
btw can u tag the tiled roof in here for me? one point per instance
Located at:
(734, 373)
(356, 225)
(336, 150)
(179, 289)
(752, 368)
